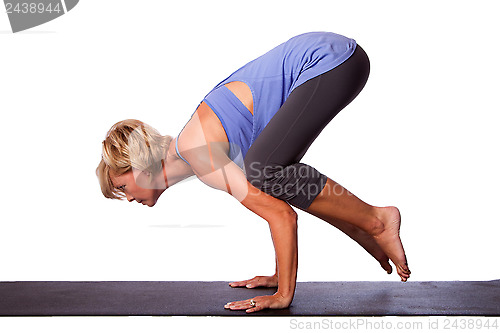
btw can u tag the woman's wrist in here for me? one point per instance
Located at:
(284, 295)
(284, 301)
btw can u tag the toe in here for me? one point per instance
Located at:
(386, 266)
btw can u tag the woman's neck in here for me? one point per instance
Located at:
(175, 168)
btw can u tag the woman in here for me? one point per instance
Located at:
(247, 138)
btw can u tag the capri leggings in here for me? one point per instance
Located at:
(272, 163)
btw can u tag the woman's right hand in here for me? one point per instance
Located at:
(258, 281)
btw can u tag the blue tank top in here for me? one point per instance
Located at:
(271, 78)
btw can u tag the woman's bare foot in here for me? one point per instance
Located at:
(360, 236)
(389, 240)
(258, 281)
(370, 245)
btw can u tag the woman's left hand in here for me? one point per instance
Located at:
(275, 301)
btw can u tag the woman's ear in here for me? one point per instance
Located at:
(143, 178)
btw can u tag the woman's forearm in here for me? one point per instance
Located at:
(284, 235)
(282, 220)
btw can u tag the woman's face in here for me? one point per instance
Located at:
(129, 183)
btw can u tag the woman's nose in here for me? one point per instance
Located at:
(129, 197)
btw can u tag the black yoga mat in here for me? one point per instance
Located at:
(172, 298)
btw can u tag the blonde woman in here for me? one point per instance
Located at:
(247, 138)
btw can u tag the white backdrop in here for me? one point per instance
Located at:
(422, 135)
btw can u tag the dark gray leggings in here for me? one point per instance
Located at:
(272, 162)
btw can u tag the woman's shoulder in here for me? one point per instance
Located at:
(202, 129)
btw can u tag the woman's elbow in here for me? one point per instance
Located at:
(287, 216)
(291, 215)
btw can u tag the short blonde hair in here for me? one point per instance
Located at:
(130, 144)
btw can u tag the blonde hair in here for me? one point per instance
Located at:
(130, 144)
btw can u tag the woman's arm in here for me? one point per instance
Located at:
(213, 167)
(282, 221)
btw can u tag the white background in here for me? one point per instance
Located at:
(422, 135)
